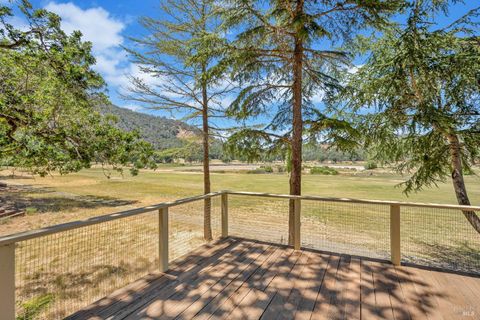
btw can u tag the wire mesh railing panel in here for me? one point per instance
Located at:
(349, 228)
(439, 238)
(258, 218)
(186, 226)
(59, 274)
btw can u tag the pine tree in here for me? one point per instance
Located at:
(284, 55)
(423, 85)
(182, 52)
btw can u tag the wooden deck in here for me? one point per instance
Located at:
(244, 279)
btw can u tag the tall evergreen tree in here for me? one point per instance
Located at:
(182, 51)
(423, 85)
(283, 57)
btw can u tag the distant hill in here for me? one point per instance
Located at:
(161, 132)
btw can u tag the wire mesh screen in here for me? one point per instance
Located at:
(439, 238)
(349, 228)
(186, 226)
(61, 273)
(258, 218)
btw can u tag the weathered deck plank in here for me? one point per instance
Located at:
(244, 279)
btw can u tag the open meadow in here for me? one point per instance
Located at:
(57, 199)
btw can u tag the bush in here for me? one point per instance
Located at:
(324, 171)
(268, 169)
(281, 169)
(370, 165)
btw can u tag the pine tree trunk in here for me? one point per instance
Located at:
(207, 225)
(297, 127)
(459, 182)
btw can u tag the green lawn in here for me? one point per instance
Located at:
(87, 193)
(179, 184)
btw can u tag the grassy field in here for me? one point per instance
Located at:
(58, 199)
(71, 270)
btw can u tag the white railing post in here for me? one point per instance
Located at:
(163, 239)
(296, 224)
(395, 234)
(224, 215)
(7, 281)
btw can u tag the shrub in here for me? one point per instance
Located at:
(468, 171)
(324, 171)
(268, 169)
(370, 165)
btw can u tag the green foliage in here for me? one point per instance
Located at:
(269, 37)
(324, 170)
(191, 152)
(182, 50)
(162, 133)
(48, 91)
(32, 308)
(370, 165)
(268, 169)
(316, 152)
(253, 145)
(422, 86)
(468, 172)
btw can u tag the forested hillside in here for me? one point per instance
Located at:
(175, 137)
(161, 132)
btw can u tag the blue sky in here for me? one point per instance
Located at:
(108, 24)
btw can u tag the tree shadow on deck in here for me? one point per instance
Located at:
(245, 279)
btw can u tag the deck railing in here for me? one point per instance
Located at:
(52, 272)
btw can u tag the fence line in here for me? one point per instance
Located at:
(100, 219)
(350, 200)
(9, 239)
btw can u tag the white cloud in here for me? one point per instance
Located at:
(105, 32)
(122, 74)
(96, 24)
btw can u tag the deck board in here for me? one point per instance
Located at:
(247, 279)
(157, 303)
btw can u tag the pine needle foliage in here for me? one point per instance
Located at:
(422, 85)
(182, 57)
(283, 55)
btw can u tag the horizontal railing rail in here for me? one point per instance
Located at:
(393, 217)
(10, 239)
(359, 201)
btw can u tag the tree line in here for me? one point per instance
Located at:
(286, 73)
